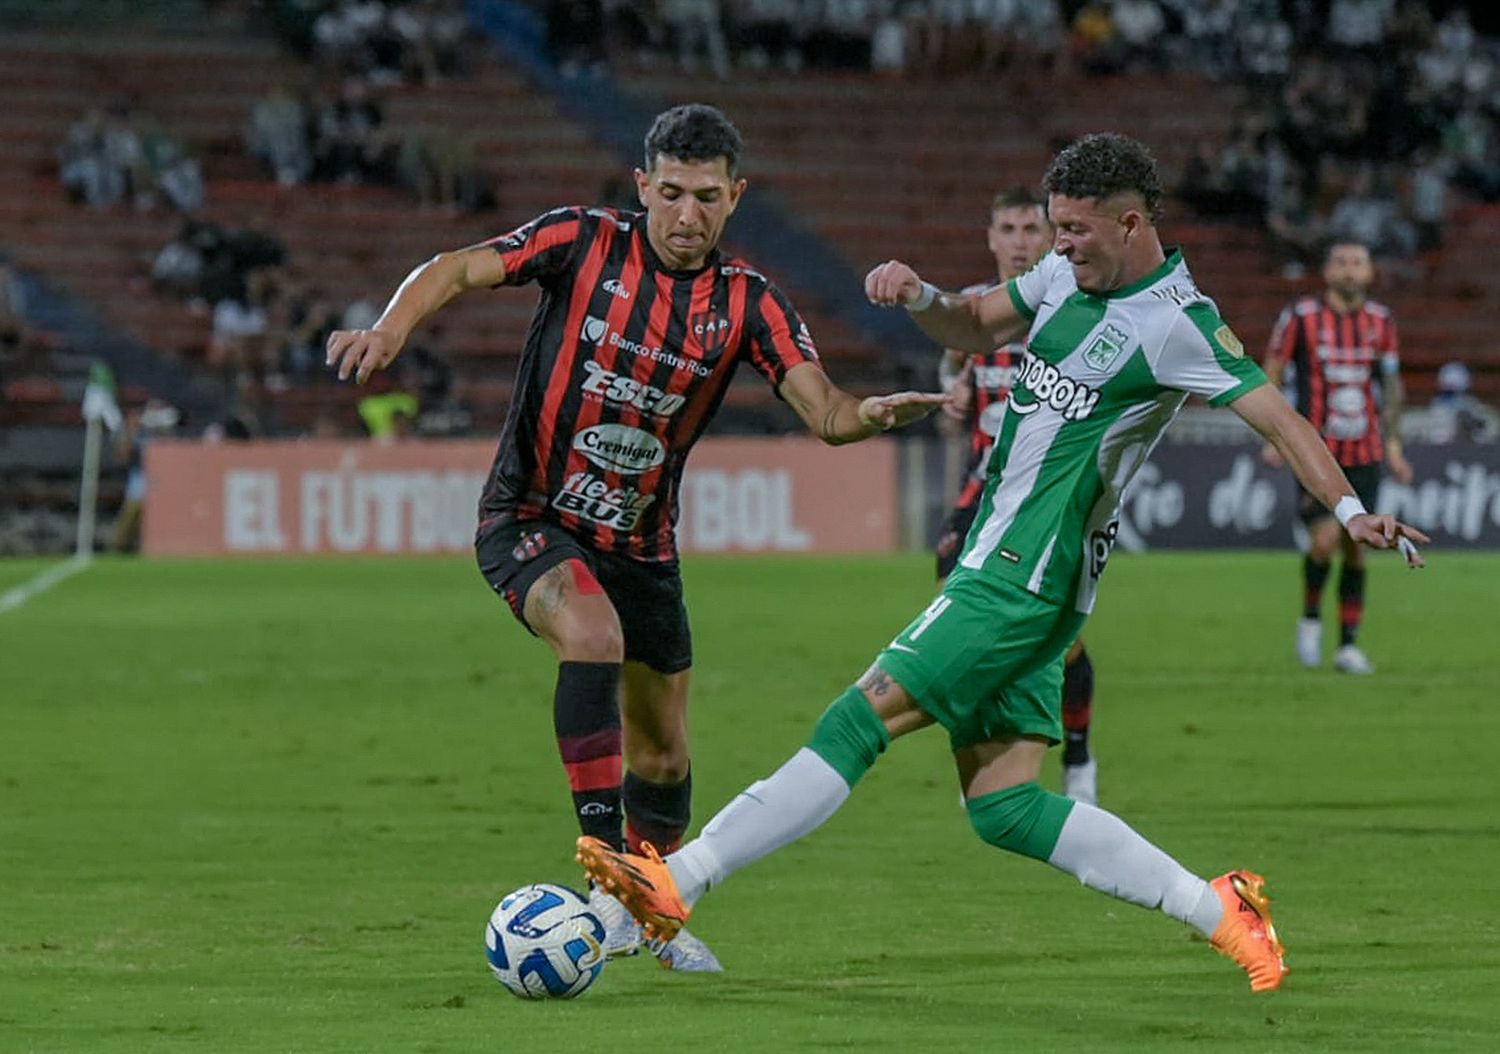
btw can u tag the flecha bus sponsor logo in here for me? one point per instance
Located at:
(590, 498)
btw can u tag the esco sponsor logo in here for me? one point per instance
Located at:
(614, 287)
(627, 391)
(620, 448)
(590, 498)
(1074, 400)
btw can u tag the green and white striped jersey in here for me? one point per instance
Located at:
(1103, 376)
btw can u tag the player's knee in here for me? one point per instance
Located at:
(589, 637)
(595, 643)
(659, 763)
(849, 736)
(1022, 819)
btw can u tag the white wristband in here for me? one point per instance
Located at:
(1349, 507)
(922, 303)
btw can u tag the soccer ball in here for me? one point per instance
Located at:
(543, 942)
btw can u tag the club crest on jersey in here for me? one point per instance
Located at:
(1038, 378)
(594, 329)
(1105, 348)
(711, 330)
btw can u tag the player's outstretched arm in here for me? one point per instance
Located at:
(836, 417)
(973, 323)
(426, 289)
(1266, 410)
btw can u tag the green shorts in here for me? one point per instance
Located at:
(985, 660)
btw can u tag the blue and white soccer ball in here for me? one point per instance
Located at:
(543, 942)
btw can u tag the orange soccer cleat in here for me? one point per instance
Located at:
(1246, 933)
(644, 884)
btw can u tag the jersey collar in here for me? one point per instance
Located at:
(1167, 266)
(657, 264)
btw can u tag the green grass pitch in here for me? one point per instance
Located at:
(267, 806)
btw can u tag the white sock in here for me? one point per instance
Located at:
(796, 799)
(1104, 853)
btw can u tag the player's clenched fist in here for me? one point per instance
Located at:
(893, 283)
(361, 352)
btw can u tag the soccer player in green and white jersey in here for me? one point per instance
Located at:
(1118, 337)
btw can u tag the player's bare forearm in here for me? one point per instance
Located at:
(359, 353)
(973, 323)
(1266, 410)
(433, 284)
(836, 417)
(954, 320)
(1297, 442)
(842, 424)
(829, 412)
(1392, 403)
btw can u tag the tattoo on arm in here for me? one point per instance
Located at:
(829, 422)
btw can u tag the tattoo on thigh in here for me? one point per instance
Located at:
(549, 593)
(876, 681)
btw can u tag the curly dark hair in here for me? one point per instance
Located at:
(1102, 165)
(694, 132)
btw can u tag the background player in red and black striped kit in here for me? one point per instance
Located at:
(1336, 345)
(640, 326)
(1019, 234)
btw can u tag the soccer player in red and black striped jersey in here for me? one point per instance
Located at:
(640, 326)
(1337, 345)
(1019, 234)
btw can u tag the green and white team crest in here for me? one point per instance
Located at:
(1106, 348)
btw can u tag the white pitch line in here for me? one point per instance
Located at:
(42, 582)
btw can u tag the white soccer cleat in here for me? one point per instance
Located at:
(622, 934)
(686, 953)
(1081, 782)
(1349, 659)
(1310, 643)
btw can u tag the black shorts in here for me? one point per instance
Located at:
(646, 597)
(951, 537)
(1365, 479)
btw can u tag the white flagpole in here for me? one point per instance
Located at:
(88, 493)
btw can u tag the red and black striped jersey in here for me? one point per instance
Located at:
(1335, 356)
(990, 375)
(990, 379)
(625, 362)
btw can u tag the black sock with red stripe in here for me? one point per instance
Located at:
(586, 717)
(657, 812)
(1351, 602)
(1314, 577)
(1078, 709)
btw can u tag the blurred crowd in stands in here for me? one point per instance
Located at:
(1361, 114)
(1361, 118)
(269, 322)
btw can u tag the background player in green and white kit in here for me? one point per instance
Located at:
(1018, 236)
(1119, 335)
